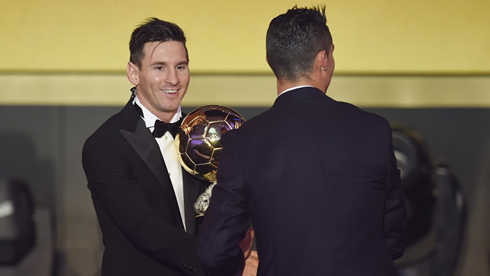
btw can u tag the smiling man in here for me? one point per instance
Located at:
(161, 77)
(142, 196)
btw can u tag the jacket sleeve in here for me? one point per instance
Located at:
(395, 217)
(225, 221)
(121, 201)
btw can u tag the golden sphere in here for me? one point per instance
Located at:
(198, 139)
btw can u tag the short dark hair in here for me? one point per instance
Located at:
(153, 29)
(294, 39)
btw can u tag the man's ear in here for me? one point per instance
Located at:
(322, 60)
(132, 71)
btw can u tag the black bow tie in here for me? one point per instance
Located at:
(162, 127)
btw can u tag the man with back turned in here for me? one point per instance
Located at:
(317, 177)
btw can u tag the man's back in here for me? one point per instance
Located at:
(316, 181)
(318, 178)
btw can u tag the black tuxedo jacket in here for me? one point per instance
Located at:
(133, 196)
(318, 179)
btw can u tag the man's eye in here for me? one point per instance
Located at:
(181, 67)
(159, 68)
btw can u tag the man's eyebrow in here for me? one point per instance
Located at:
(184, 62)
(158, 63)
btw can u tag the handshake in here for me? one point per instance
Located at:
(251, 257)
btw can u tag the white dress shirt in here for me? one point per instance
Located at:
(293, 88)
(169, 153)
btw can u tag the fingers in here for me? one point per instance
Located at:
(246, 243)
(251, 264)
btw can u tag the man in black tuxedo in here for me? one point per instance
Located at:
(317, 177)
(142, 196)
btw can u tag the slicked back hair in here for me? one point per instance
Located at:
(153, 29)
(294, 39)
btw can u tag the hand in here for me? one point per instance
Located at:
(246, 243)
(251, 264)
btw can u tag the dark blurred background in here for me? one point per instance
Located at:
(444, 154)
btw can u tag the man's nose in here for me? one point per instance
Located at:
(172, 77)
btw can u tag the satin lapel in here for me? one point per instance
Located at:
(191, 192)
(147, 148)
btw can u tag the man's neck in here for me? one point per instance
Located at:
(150, 117)
(283, 85)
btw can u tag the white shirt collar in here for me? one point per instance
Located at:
(150, 118)
(294, 88)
